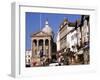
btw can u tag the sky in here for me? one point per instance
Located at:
(36, 21)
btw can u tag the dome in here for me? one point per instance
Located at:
(47, 29)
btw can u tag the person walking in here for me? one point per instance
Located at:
(73, 54)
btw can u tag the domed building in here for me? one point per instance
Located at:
(42, 43)
(47, 29)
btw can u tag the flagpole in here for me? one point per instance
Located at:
(40, 21)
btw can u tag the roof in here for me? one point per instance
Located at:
(47, 28)
(40, 34)
(70, 24)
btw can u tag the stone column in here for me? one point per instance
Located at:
(37, 46)
(49, 48)
(32, 48)
(44, 46)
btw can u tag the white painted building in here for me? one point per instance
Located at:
(28, 56)
(71, 39)
(85, 32)
(65, 28)
(58, 42)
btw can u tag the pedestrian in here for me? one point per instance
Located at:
(73, 54)
(41, 53)
(60, 59)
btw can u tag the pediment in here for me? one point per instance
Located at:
(41, 33)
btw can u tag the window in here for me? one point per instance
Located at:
(74, 36)
(28, 60)
(28, 55)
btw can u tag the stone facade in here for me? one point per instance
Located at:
(42, 45)
(41, 42)
(74, 34)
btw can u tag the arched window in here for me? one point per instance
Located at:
(35, 42)
(40, 42)
(46, 42)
